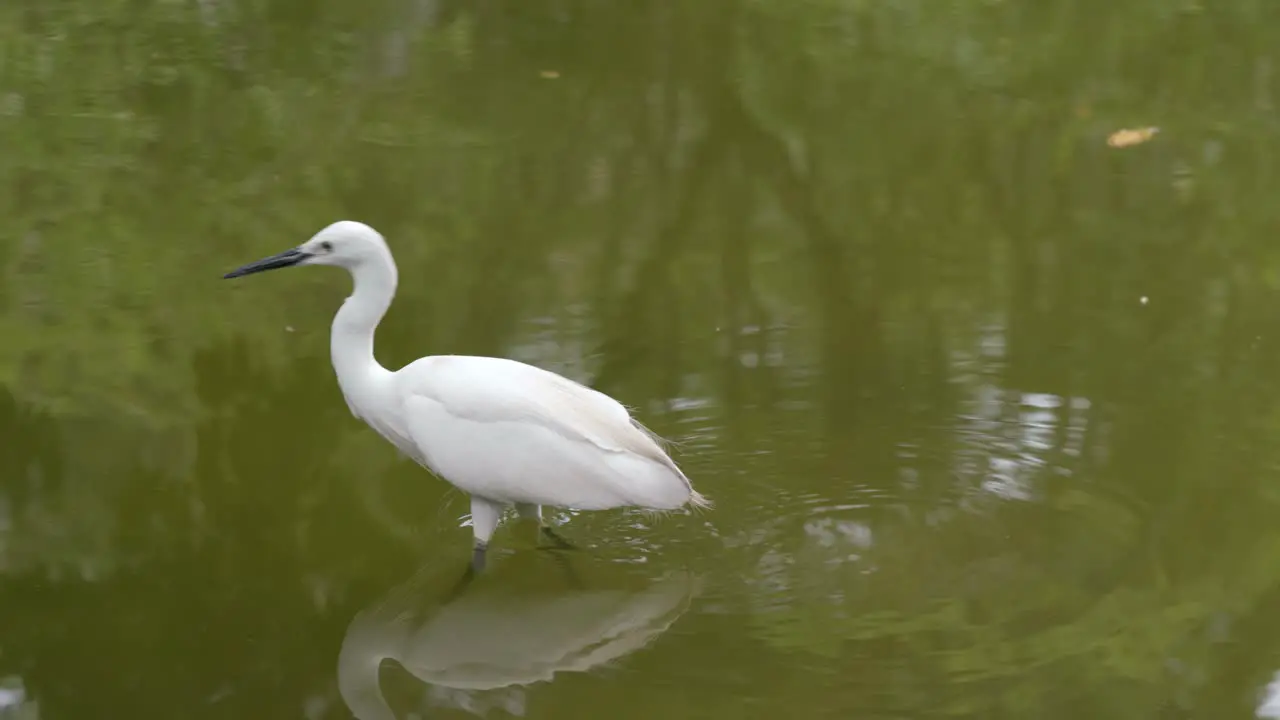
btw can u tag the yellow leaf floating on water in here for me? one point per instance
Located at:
(1131, 136)
(549, 74)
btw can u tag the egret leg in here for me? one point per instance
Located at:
(463, 582)
(566, 564)
(534, 512)
(559, 542)
(529, 511)
(484, 520)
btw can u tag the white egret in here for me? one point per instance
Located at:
(505, 432)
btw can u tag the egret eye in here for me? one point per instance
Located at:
(326, 246)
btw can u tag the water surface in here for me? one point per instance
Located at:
(986, 404)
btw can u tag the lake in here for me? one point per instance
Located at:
(965, 315)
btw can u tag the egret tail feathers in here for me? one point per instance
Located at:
(698, 501)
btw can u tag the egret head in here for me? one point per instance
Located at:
(346, 244)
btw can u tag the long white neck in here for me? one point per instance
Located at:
(351, 338)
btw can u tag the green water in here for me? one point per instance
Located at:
(989, 408)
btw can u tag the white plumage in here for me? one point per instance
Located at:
(504, 432)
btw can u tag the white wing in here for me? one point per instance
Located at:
(511, 432)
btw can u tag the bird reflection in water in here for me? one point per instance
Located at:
(481, 648)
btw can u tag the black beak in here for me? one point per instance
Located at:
(289, 257)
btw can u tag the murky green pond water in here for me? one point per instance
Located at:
(988, 404)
